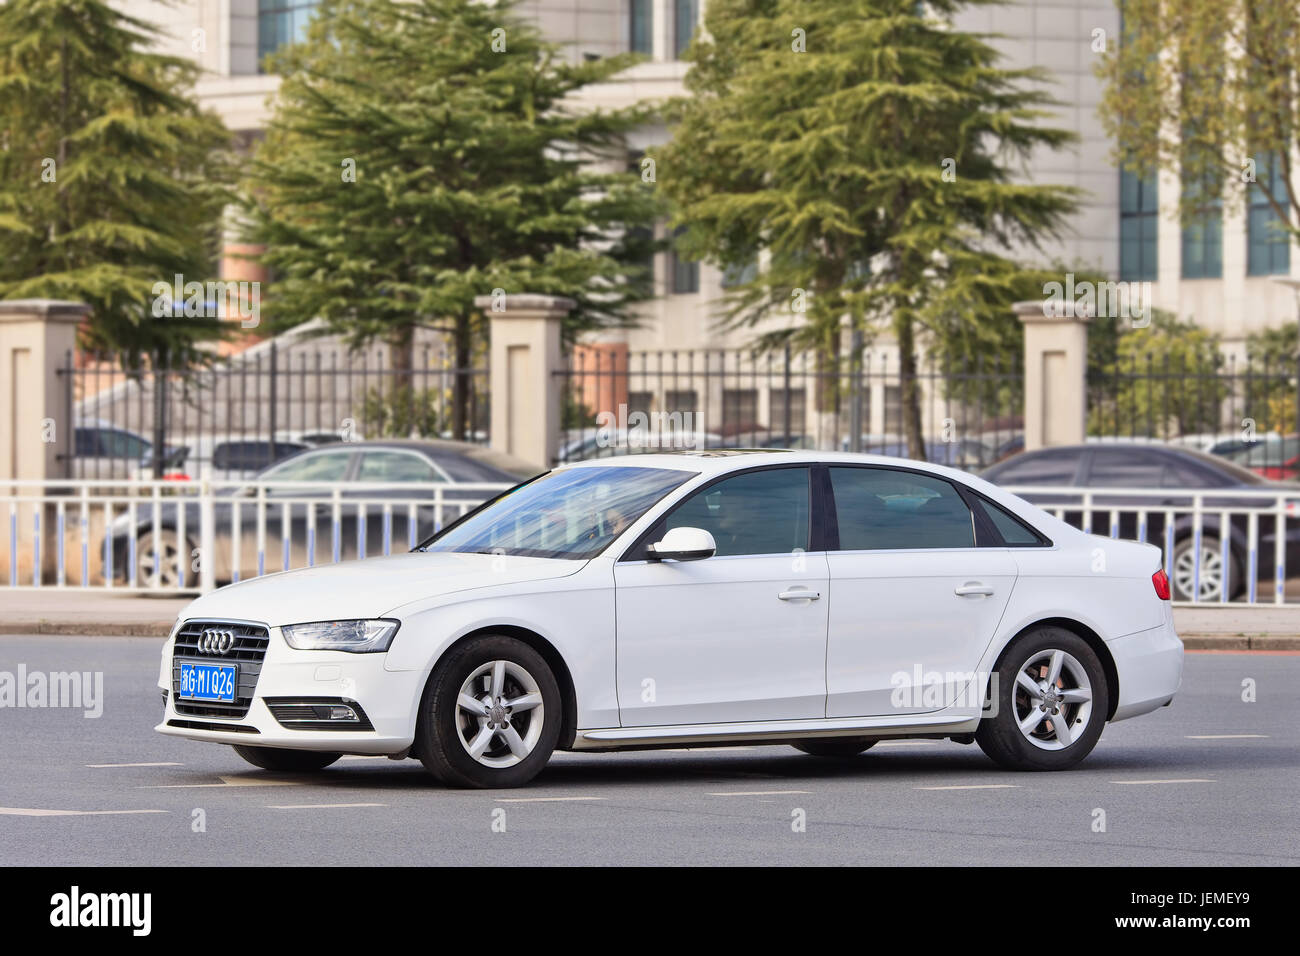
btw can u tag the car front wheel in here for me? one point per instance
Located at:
(490, 716)
(1052, 702)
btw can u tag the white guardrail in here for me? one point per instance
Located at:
(185, 536)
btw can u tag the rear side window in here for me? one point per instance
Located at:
(1126, 468)
(1012, 529)
(1038, 468)
(880, 509)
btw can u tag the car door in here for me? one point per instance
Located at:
(739, 636)
(914, 602)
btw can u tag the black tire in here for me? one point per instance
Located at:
(1000, 735)
(834, 746)
(1212, 546)
(273, 758)
(444, 728)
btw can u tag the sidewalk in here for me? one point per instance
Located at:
(1264, 627)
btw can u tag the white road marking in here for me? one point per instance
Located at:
(322, 806)
(544, 799)
(1225, 736)
(1184, 780)
(100, 766)
(233, 781)
(976, 786)
(35, 812)
(757, 793)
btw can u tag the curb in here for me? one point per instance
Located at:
(1241, 642)
(89, 628)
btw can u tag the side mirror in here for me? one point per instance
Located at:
(683, 544)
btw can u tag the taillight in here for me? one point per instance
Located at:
(1161, 582)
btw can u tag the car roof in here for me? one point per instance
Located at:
(721, 460)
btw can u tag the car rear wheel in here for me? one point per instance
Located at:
(1207, 583)
(273, 758)
(167, 574)
(1052, 700)
(490, 716)
(834, 746)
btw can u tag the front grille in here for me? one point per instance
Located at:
(247, 651)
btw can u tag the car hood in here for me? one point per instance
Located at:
(370, 587)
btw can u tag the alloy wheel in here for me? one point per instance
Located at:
(499, 714)
(1052, 699)
(1211, 577)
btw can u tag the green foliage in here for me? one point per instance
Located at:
(1161, 381)
(111, 179)
(410, 167)
(401, 412)
(1223, 73)
(871, 174)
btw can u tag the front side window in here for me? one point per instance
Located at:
(758, 512)
(570, 514)
(327, 466)
(395, 466)
(1114, 468)
(880, 509)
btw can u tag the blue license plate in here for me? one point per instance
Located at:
(209, 682)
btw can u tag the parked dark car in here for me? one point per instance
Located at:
(1180, 472)
(393, 464)
(965, 453)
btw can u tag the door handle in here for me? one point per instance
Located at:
(799, 594)
(974, 588)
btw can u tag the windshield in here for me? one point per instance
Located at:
(565, 514)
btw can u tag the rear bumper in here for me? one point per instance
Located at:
(1150, 668)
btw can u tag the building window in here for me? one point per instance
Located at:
(733, 276)
(685, 15)
(1202, 233)
(686, 274)
(640, 15)
(739, 409)
(788, 407)
(1138, 225)
(280, 22)
(1268, 242)
(681, 401)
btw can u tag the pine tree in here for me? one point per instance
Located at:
(858, 150)
(111, 179)
(423, 153)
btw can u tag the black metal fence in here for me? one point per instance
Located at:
(233, 417)
(615, 401)
(1243, 411)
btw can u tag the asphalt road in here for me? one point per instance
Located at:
(1208, 781)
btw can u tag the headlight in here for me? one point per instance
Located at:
(356, 637)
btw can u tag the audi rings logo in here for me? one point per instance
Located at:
(216, 641)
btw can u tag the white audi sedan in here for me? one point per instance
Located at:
(826, 601)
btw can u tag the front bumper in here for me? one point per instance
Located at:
(389, 699)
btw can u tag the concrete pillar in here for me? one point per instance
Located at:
(36, 430)
(1056, 365)
(524, 354)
